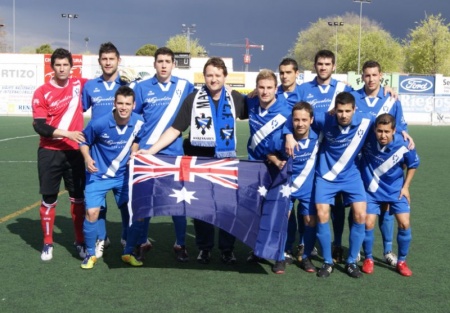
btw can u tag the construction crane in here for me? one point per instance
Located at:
(247, 46)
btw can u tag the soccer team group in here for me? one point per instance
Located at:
(349, 148)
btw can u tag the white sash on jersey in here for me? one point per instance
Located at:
(168, 113)
(340, 86)
(385, 167)
(349, 151)
(387, 106)
(266, 130)
(112, 169)
(309, 166)
(72, 108)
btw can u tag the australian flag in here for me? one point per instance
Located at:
(248, 199)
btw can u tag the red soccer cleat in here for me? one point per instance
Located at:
(367, 266)
(403, 269)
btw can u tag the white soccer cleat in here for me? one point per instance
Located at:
(390, 258)
(47, 252)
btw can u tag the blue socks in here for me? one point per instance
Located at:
(403, 240)
(324, 237)
(386, 224)
(180, 225)
(369, 238)
(357, 233)
(90, 235)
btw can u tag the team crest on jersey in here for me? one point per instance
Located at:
(150, 93)
(105, 136)
(226, 134)
(203, 122)
(386, 109)
(395, 158)
(274, 123)
(309, 96)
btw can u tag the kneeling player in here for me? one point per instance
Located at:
(384, 156)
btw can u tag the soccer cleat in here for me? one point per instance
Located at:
(204, 257)
(279, 267)
(367, 266)
(289, 259)
(131, 259)
(390, 258)
(181, 253)
(228, 257)
(47, 252)
(307, 266)
(325, 270)
(143, 249)
(89, 262)
(358, 257)
(99, 247)
(314, 252)
(252, 258)
(353, 270)
(300, 251)
(337, 254)
(81, 250)
(403, 269)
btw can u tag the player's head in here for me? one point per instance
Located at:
(164, 51)
(385, 128)
(164, 64)
(215, 73)
(109, 60)
(123, 104)
(302, 118)
(266, 87)
(371, 75)
(108, 47)
(288, 70)
(324, 64)
(61, 53)
(344, 107)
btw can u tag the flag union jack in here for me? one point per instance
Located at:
(186, 168)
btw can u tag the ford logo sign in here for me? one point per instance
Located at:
(416, 84)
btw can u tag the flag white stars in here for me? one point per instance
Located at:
(183, 195)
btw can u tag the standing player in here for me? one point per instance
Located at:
(303, 172)
(372, 99)
(267, 115)
(220, 107)
(289, 89)
(343, 136)
(384, 156)
(58, 119)
(106, 151)
(159, 99)
(321, 93)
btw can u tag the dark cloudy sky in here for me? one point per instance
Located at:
(132, 23)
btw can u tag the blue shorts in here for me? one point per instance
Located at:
(395, 207)
(352, 190)
(304, 207)
(97, 188)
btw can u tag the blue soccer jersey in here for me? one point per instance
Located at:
(341, 145)
(159, 105)
(110, 144)
(382, 167)
(291, 97)
(263, 124)
(98, 94)
(379, 105)
(321, 97)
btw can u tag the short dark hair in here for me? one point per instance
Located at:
(289, 61)
(303, 105)
(108, 47)
(61, 53)
(344, 98)
(325, 54)
(370, 64)
(164, 51)
(216, 62)
(385, 119)
(124, 91)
